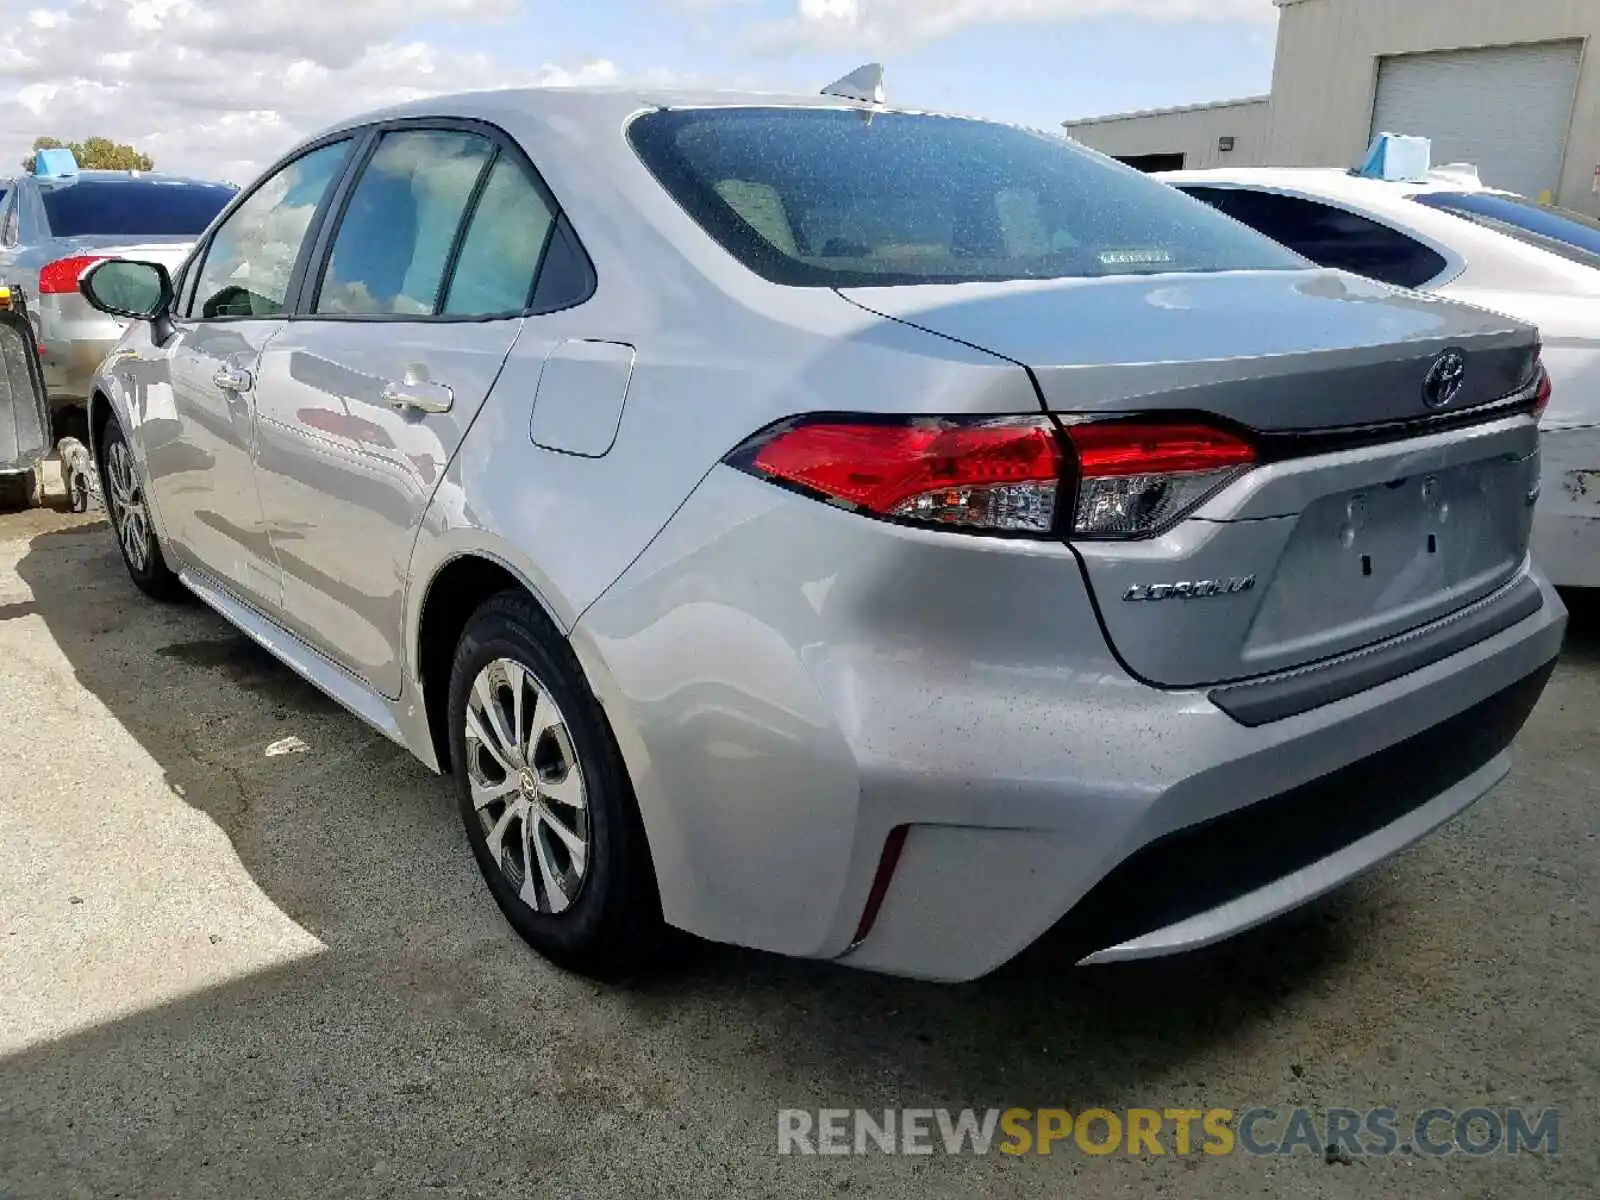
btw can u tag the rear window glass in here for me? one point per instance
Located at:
(828, 198)
(1330, 236)
(133, 207)
(1558, 230)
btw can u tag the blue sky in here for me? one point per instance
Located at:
(221, 87)
(1037, 72)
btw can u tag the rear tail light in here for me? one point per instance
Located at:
(1542, 386)
(60, 278)
(1027, 476)
(1138, 477)
(998, 475)
(1541, 400)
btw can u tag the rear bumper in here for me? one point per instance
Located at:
(1240, 834)
(790, 684)
(69, 368)
(1210, 881)
(75, 339)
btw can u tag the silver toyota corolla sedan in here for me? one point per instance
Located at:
(855, 533)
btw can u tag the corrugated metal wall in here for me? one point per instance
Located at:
(1325, 86)
(1330, 53)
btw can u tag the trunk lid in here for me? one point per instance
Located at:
(169, 252)
(1345, 534)
(1272, 350)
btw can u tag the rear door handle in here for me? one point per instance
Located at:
(233, 379)
(419, 395)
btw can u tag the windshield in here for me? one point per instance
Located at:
(133, 207)
(829, 198)
(1558, 230)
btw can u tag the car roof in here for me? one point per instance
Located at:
(605, 106)
(55, 183)
(1333, 182)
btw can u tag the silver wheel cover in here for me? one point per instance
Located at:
(527, 786)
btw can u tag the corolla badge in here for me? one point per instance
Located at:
(1197, 590)
(1445, 379)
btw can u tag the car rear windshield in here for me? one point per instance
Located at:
(835, 197)
(1558, 230)
(133, 207)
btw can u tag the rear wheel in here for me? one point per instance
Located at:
(129, 509)
(545, 797)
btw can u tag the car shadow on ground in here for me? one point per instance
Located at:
(1583, 624)
(427, 1046)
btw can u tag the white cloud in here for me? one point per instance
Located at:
(221, 89)
(878, 25)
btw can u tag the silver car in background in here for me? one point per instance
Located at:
(52, 228)
(855, 533)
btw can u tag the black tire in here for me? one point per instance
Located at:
(152, 576)
(613, 925)
(19, 491)
(78, 492)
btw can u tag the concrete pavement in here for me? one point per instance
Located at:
(233, 974)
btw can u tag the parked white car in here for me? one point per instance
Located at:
(1450, 235)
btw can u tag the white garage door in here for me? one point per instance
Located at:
(1506, 109)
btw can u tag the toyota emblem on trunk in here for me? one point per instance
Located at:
(1445, 379)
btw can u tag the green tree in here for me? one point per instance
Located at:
(94, 154)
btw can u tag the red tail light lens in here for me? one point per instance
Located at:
(1137, 477)
(1000, 475)
(1016, 475)
(1541, 400)
(60, 278)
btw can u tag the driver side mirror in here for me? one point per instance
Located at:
(124, 288)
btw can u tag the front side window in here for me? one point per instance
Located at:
(1329, 236)
(132, 207)
(394, 241)
(826, 198)
(1559, 230)
(252, 256)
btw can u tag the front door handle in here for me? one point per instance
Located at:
(419, 395)
(233, 379)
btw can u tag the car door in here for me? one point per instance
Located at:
(423, 286)
(197, 420)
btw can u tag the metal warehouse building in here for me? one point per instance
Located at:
(1511, 85)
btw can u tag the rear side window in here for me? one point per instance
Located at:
(1329, 236)
(1558, 230)
(133, 207)
(828, 197)
(503, 246)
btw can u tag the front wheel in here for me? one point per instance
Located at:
(129, 509)
(545, 797)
